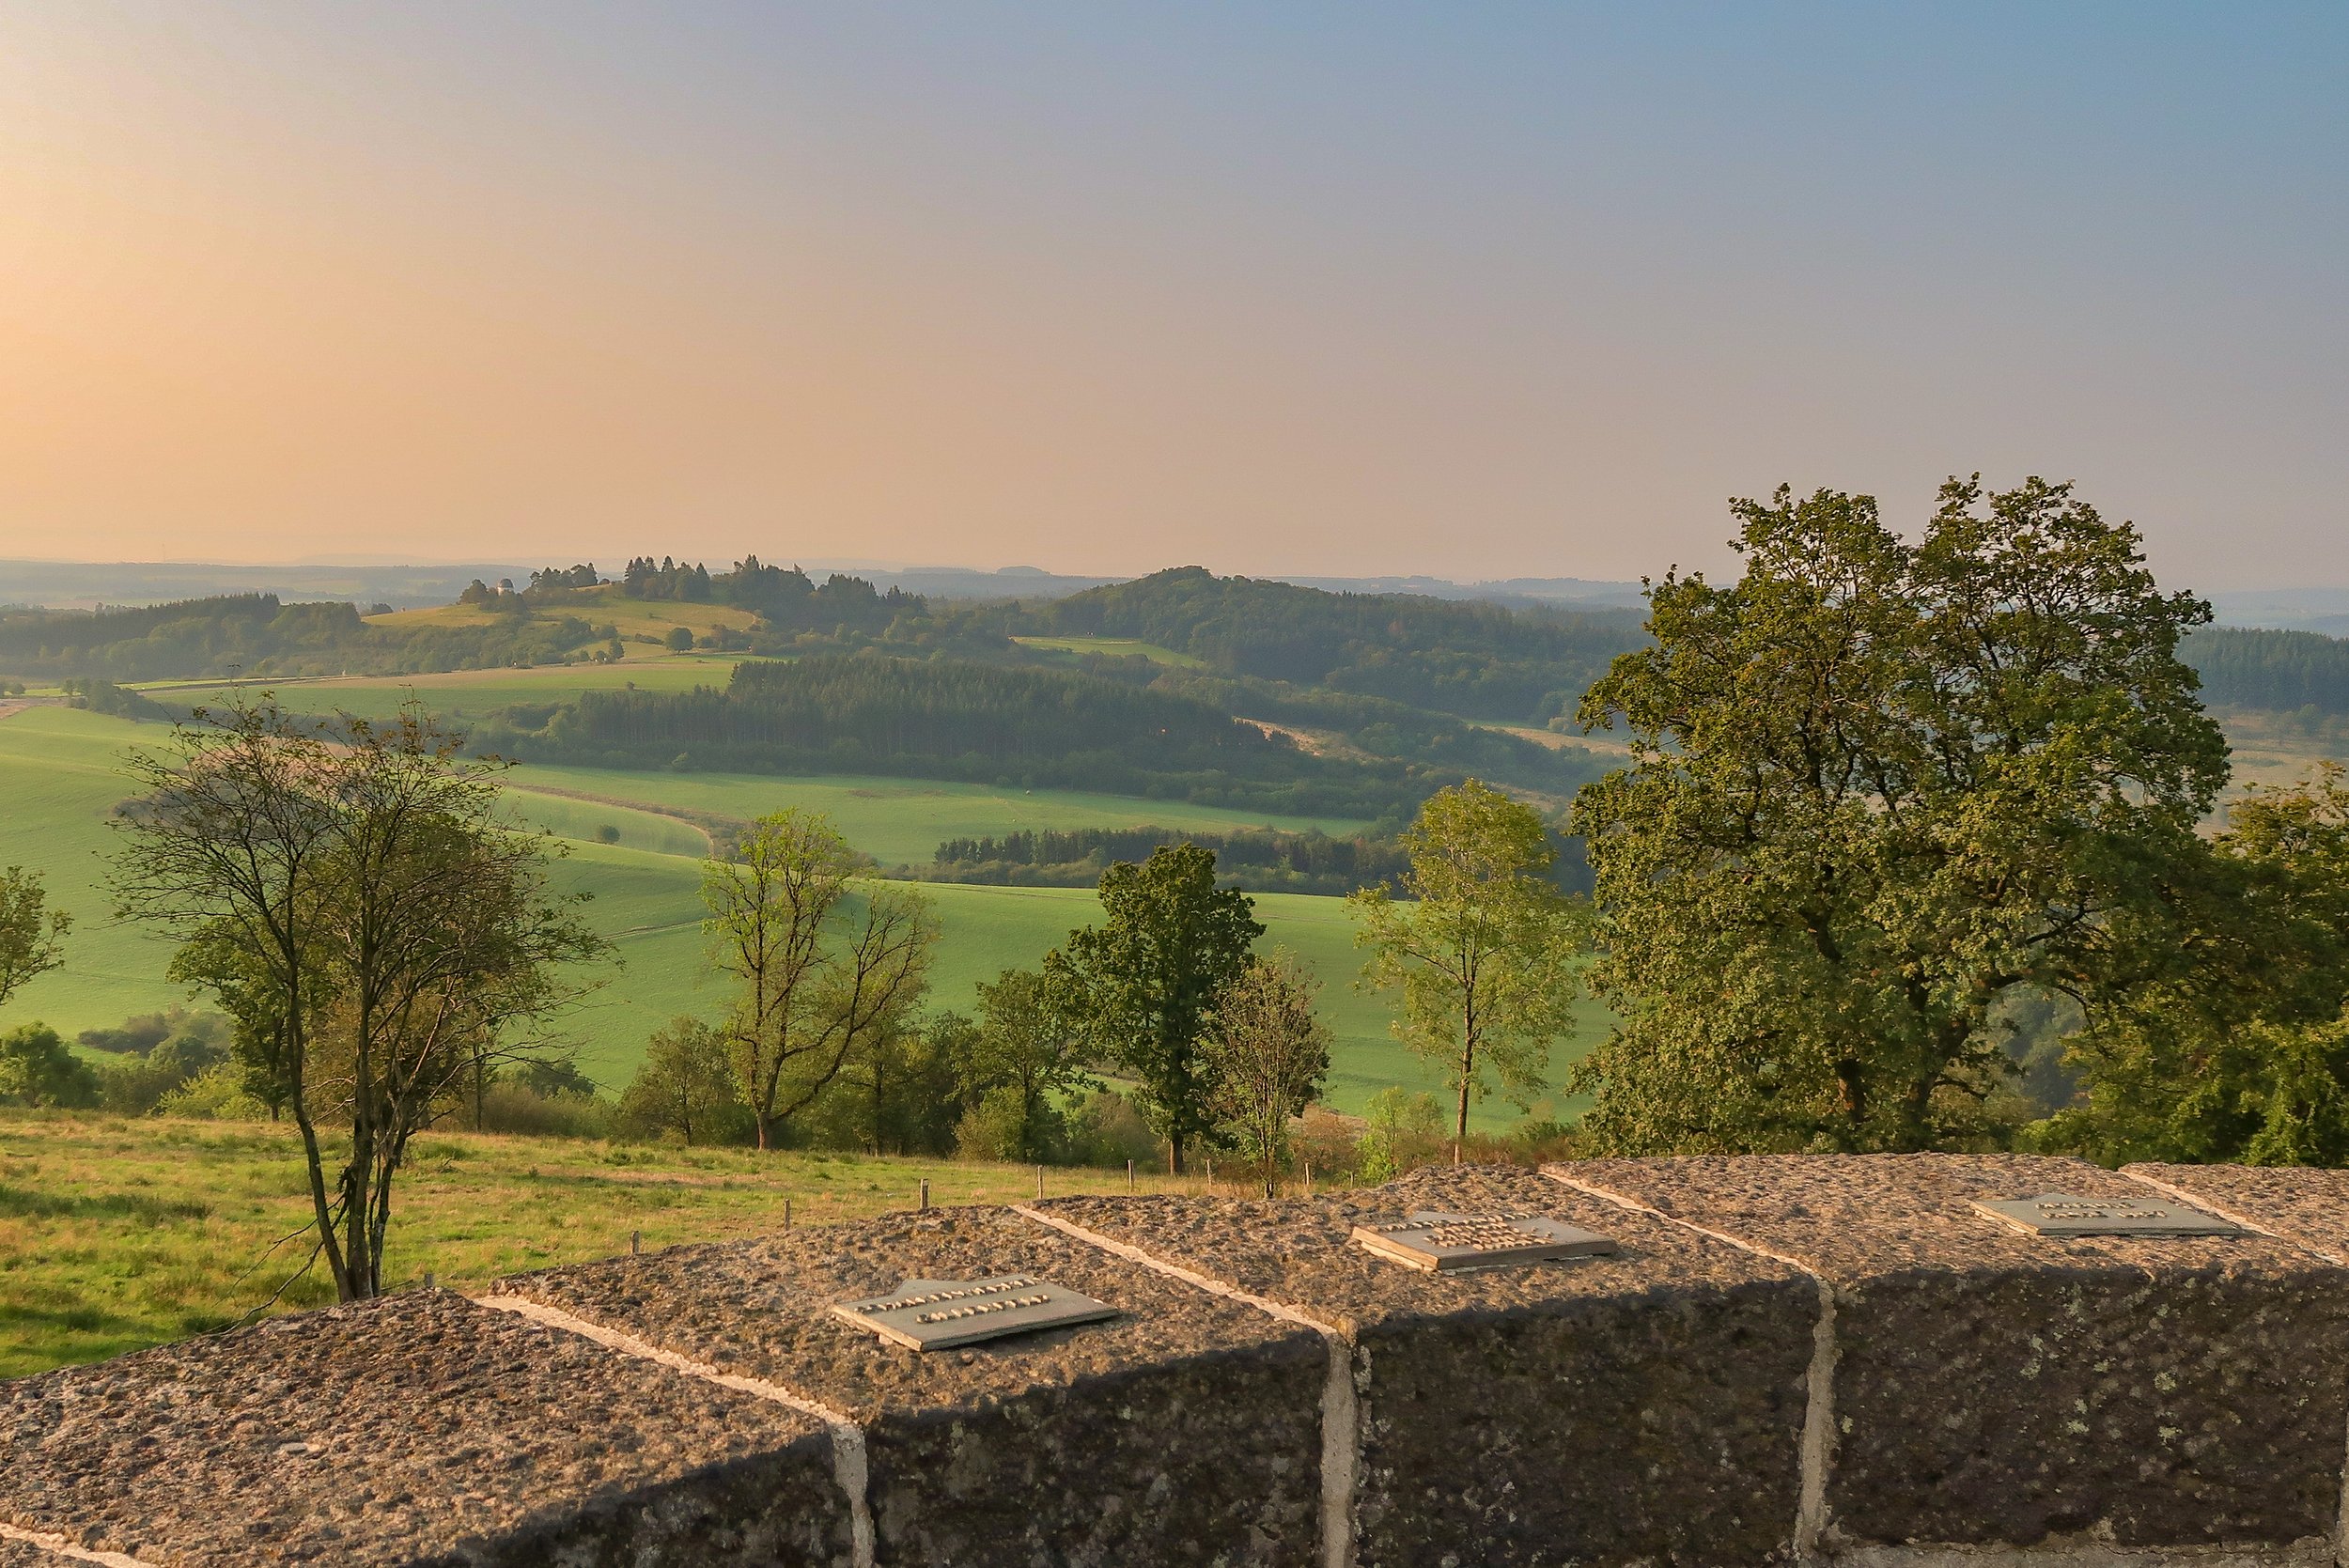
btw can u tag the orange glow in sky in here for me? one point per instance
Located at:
(1516, 292)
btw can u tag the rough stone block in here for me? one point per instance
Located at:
(419, 1429)
(1639, 1407)
(1994, 1387)
(2303, 1205)
(1185, 1431)
(24, 1554)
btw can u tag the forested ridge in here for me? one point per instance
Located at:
(2282, 670)
(1258, 859)
(1458, 656)
(254, 634)
(953, 719)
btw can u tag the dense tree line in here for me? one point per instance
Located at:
(1257, 859)
(786, 597)
(254, 634)
(1454, 656)
(2283, 671)
(954, 719)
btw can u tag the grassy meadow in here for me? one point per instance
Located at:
(58, 781)
(117, 1233)
(606, 606)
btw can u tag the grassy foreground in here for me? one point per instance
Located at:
(117, 1233)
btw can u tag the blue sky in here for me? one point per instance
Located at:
(1485, 290)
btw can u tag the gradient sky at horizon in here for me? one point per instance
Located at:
(1508, 290)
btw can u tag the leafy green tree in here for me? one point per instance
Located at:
(1480, 951)
(686, 1086)
(817, 980)
(1878, 788)
(1027, 1048)
(2238, 1049)
(1269, 1053)
(37, 1068)
(32, 935)
(1144, 982)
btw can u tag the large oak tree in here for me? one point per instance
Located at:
(1878, 786)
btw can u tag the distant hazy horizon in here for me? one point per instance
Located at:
(1472, 292)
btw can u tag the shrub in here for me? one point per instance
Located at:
(216, 1095)
(37, 1068)
(508, 1106)
(1105, 1129)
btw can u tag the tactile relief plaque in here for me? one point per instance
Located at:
(2059, 1213)
(1447, 1243)
(939, 1315)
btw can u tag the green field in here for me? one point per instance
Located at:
(58, 782)
(474, 692)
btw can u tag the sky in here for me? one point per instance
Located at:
(1478, 291)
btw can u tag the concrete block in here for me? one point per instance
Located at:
(417, 1429)
(1185, 1431)
(1995, 1388)
(1642, 1407)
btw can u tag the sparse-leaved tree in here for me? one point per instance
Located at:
(821, 970)
(32, 935)
(346, 890)
(1269, 1053)
(1480, 949)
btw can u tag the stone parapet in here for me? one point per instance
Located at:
(1797, 1359)
(1643, 1407)
(1986, 1387)
(2300, 1204)
(1186, 1430)
(420, 1428)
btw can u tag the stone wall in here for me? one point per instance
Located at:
(1839, 1361)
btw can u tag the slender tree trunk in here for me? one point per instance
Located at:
(1459, 1123)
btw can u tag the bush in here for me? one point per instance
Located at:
(37, 1068)
(1404, 1131)
(198, 1044)
(997, 1128)
(509, 1106)
(217, 1094)
(685, 1091)
(1105, 1129)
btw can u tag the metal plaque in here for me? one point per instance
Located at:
(2059, 1213)
(939, 1315)
(1448, 1243)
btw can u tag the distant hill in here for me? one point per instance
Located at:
(1481, 660)
(86, 584)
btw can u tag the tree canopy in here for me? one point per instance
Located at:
(1879, 786)
(1479, 948)
(1146, 982)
